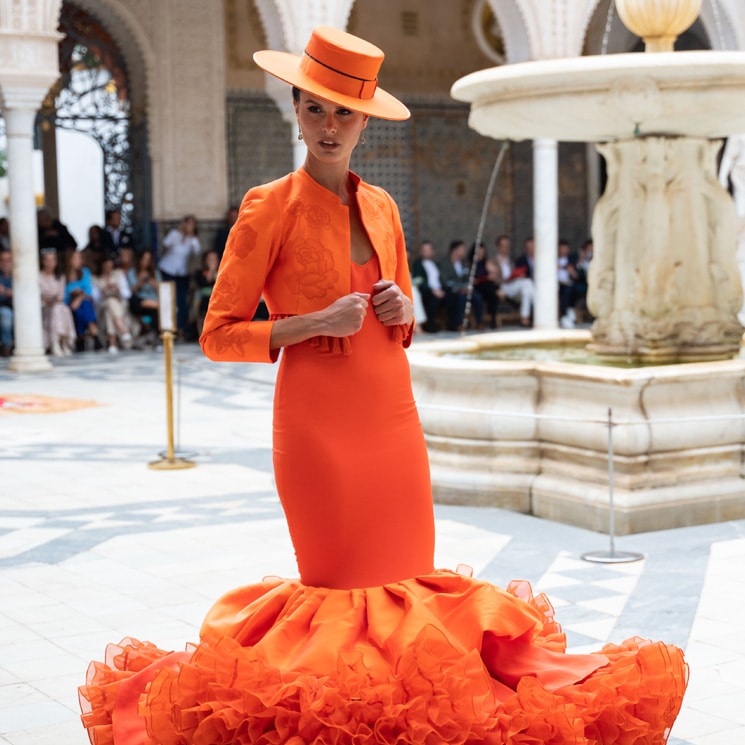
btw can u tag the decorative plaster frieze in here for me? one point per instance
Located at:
(29, 16)
(28, 55)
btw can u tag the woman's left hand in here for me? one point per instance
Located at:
(391, 305)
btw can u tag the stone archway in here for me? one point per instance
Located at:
(112, 108)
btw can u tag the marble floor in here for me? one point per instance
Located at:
(95, 546)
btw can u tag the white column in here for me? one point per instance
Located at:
(28, 355)
(546, 232)
(29, 64)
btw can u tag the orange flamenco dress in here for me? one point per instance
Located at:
(372, 644)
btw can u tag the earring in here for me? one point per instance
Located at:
(300, 135)
(362, 139)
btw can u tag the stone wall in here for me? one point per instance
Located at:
(434, 166)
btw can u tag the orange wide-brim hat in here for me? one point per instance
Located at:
(338, 67)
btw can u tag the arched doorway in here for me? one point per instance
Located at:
(93, 97)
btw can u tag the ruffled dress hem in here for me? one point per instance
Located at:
(441, 658)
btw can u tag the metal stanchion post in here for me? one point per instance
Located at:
(169, 461)
(178, 453)
(612, 556)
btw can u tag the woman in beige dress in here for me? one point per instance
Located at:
(57, 321)
(112, 294)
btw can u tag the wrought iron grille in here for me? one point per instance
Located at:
(92, 97)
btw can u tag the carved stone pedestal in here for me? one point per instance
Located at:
(664, 280)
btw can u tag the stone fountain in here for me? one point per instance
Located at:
(664, 288)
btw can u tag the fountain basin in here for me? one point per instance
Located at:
(532, 435)
(603, 98)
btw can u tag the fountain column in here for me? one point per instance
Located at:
(664, 282)
(545, 227)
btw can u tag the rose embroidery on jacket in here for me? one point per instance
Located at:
(315, 215)
(224, 294)
(243, 239)
(314, 272)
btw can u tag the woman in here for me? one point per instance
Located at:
(112, 294)
(484, 281)
(144, 304)
(202, 284)
(57, 321)
(96, 249)
(79, 296)
(371, 644)
(181, 245)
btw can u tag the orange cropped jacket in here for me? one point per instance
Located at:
(291, 245)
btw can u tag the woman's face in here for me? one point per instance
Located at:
(330, 131)
(210, 260)
(145, 259)
(48, 262)
(76, 260)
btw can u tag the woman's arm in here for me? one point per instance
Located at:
(343, 317)
(229, 333)
(86, 283)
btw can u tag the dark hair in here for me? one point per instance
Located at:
(295, 94)
(454, 244)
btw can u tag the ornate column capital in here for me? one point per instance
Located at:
(29, 65)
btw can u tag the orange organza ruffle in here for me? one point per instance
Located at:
(436, 659)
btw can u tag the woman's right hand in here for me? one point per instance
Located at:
(344, 316)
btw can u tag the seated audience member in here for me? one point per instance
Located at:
(126, 262)
(4, 234)
(58, 325)
(516, 279)
(6, 303)
(143, 280)
(112, 294)
(53, 234)
(79, 296)
(565, 274)
(484, 281)
(581, 263)
(454, 275)
(203, 282)
(425, 276)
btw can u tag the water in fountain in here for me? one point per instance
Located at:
(574, 353)
(717, 23)
(608, 25)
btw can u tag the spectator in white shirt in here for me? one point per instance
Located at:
(180, 246)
